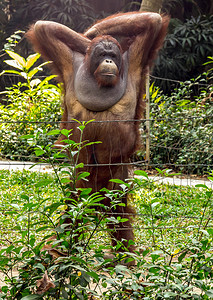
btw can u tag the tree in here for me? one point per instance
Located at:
(151, 5)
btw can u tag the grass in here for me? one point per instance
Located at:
(169, 213)
(174, 236)
(21, 193)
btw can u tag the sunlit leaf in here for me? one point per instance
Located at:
(39, 152)
(117, 181)
(17, 58)
(44, 182)
(14, 64)
(141, 173)
(31, 297)
(54, 132)
(31, 60)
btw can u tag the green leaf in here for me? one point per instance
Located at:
(60, 230)
(83, 175)
(117, 181)
(31, 60)
(27, 136)
(158, 99)
(85, 191)
(81, 165)
(65, 180)
(169, 294)
(155, 204)
(14, 64)
(145, 252)
(44, 228)
(141, 173)
(31, 297)
(53, 207)
(10, 72)
(104, 284)
(54, 132)
(32, 73)
(17, 58)
(46, 80)
(181, 257)
(123, 220)
(68, 142)
(160, 171)
(44, 182)
(210, 231)
(209, 293)
(39, 152)
(209, 194)
(93, 275)
(201, 186)
(81, 127)
(92, 143)
(65, 132)
(40, 266)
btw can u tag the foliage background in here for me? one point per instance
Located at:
(174, 223)
(182, 126)
(188, 17)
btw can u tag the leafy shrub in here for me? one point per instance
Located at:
(30, 106)
(41, 275)
(181, 133)
(185, 50)
(77, 14)
(72, 265)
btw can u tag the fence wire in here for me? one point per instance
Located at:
(22, 162)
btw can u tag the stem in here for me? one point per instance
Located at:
(202, 217)
(167, 273)
(153, 229)
(28, 226)
(76, 161)
(104, 215)
(56, 174)
(71, 233)
(199, 238)
(50, 220)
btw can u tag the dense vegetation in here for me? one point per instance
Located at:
(181, 131)
(189, 39)
(40, 256)
(181, 127)
(31, 106)
(186, 48)
(173, 234)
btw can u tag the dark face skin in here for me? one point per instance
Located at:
(105, 63)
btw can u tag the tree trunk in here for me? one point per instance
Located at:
(151, 5)
(211, 8)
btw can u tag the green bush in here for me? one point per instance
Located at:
(173, 264)
(182, 127)
(31, 106)
(185, 50)
(57, 259)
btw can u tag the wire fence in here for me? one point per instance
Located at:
(162, 148)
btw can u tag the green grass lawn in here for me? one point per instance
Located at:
(166, 214)
(169, 215)
(173, 230)
(21, 193)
